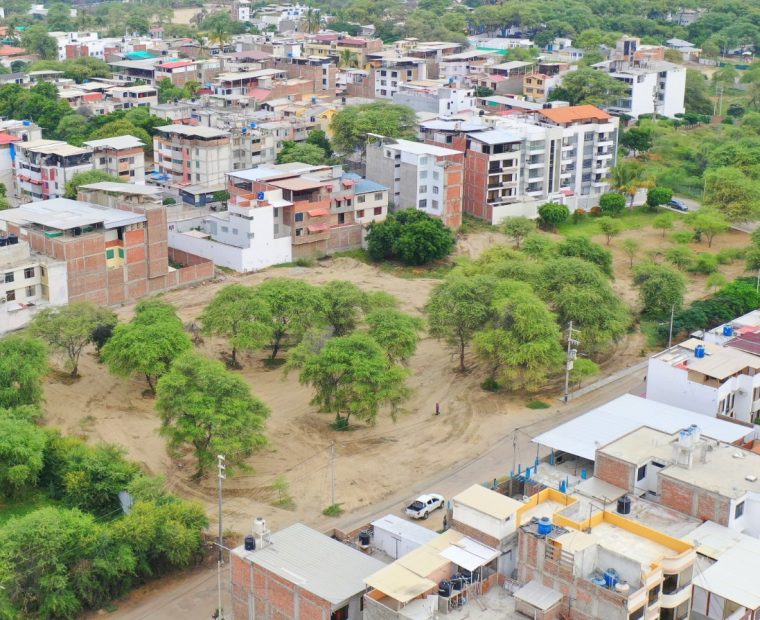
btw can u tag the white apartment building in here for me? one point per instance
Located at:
(43, 167)
(187, 155)
(12, 132)
(122, 157)
(392, 72)
(29, 282)
(421, 176)
(241, 10)
(435, 96)
(78, 44)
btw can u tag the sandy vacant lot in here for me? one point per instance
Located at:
(370, 462)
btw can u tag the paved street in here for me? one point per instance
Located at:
(193, 596)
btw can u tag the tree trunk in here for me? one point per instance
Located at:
(461, 355)
(150, 383)
(275, 348)
(234, 356)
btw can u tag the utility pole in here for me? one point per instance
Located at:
(220, 475)
(514, 461)
(571, 355)
(332, 474)
(670, 333)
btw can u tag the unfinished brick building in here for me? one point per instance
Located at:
(112, 255)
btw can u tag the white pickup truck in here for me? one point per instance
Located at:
(424, 505)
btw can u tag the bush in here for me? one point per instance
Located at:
(168, 201)
(657, 196)
(552, 215)
(595, 211)
(411, 236)
(490, 385)
(583, 247)
(579, 215)
(611, 203)
(682, 236)
(729, 255)
(706, 263)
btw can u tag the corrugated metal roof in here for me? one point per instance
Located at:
(405, 529)
(538, 595)
(488, 502)
(65, 214)
(399, 583)
(315, 562)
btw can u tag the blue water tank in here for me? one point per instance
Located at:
(260, 196)
(26, 123)
(728, 330)
(598, 581)
(544, 526)
(699, 351)
(245, 130)
(611, 578)
(252, 125)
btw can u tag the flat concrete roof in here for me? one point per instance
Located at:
(123, 188)
(194, 131)
(118, 142)
(488, 502)
(420, 148)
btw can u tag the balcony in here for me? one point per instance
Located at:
(535, 163)
(676, 598)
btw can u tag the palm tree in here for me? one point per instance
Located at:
(347, 58)
(220, 34)
(202, 43)
(312, 20)
(627, 177)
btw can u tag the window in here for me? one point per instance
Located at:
(423, 174)
(299, 232)
(378, 210)
(423, 189)
(109, 253)
(10, 295)
(435, 189)
(225, 229)
(361, 199)
(642, 473)
(670, 584)
(739, 510)
(435, 205)
(9, 277)
(341, 218)
(360, 213)
(29, 272)
(422, 204)
(653, 595)
(121, 252)
(435, 175)
(423, 161)
(379, 196)
(636, 615)
(43, 272)
(31, 291)
(298, 217)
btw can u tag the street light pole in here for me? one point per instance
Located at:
(571, 355)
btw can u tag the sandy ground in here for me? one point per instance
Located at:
(370, 463)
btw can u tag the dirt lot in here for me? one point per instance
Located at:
(371, 463)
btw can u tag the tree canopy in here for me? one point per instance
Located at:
(23, 363)
(351, 125)
(411, 236)
(589, 86)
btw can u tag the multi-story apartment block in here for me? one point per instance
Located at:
(422, 176)
(78, 45)
(465, 64)
(11, 132)
(241, 10)
(126, 97)
(326, 45)
(392, 72)
(43, 167)
(516, 163)
(436, 96)
(111, 255)
(29, 283)
(276, 214)
(122, 157)
(187, 155)
(654, 85)
(503, 78)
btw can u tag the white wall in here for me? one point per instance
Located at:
(483, 523)
(670, 385)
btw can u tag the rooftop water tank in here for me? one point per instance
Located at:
(622, 588)
(26, 123)
(444, 588)
(696, 433)
(250, 543)
(728, 330)
(598, 581)
(364, 539)
(544, 526)
(611, 577)
(624, 505)
(699, 351)
(260, 196)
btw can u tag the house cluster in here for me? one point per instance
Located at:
(638, 509)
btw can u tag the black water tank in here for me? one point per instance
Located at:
(364, 538)
(444, 588)
(3, 241)
(624, 505)
(12, 239)
(457, 581)
(250, 543)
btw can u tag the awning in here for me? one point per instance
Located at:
(470, 554)
(538, 596)
(318, 228)
(317, 212)
(398, 583)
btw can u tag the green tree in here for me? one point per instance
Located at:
(69, 329)
(72, 128)
(517, 228)
(660, 288)
(23, 363)
(657, 196)
(583, 369)
(237, 314)
(637, 139)
(312, 20)
(458, 308)
(294, 305)
(630, 248)
(397, 333)
(715, 282)
(731, 192)
(348, 59)
(610, 227)
(342, 306)
(708, 223)
(612, 203)
(589, 86)
(317, 137)
(680, 256)
(147, 345)
(302, 153)
(553, 214)
(351, 125)
(582, 247)
(663, 222)
(696, 98)
(204, 406)
(522, 344)
(123, 127)
(85, 178)
(59, 17)
(22, 448)
(36, 40)
(627, 177)
(352, 376)
(410, 235)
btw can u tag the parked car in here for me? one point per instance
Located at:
(424, 505)
(678, 205)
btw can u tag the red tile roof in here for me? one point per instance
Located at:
(176, 64)
(575, 113)
(6, 138)
(9, 50)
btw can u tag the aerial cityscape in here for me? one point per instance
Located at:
(380, 310)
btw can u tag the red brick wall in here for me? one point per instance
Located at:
(475, 185)
(694, 501)
(472, 532)
(614, 471)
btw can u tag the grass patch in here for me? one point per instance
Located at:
(537, 404)
(226, 270)
(357, 254)
(471, 224)
(437, 270)
(18, 508)
(650, 331)
(286, 503)
(335, 510)
(631, 219)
